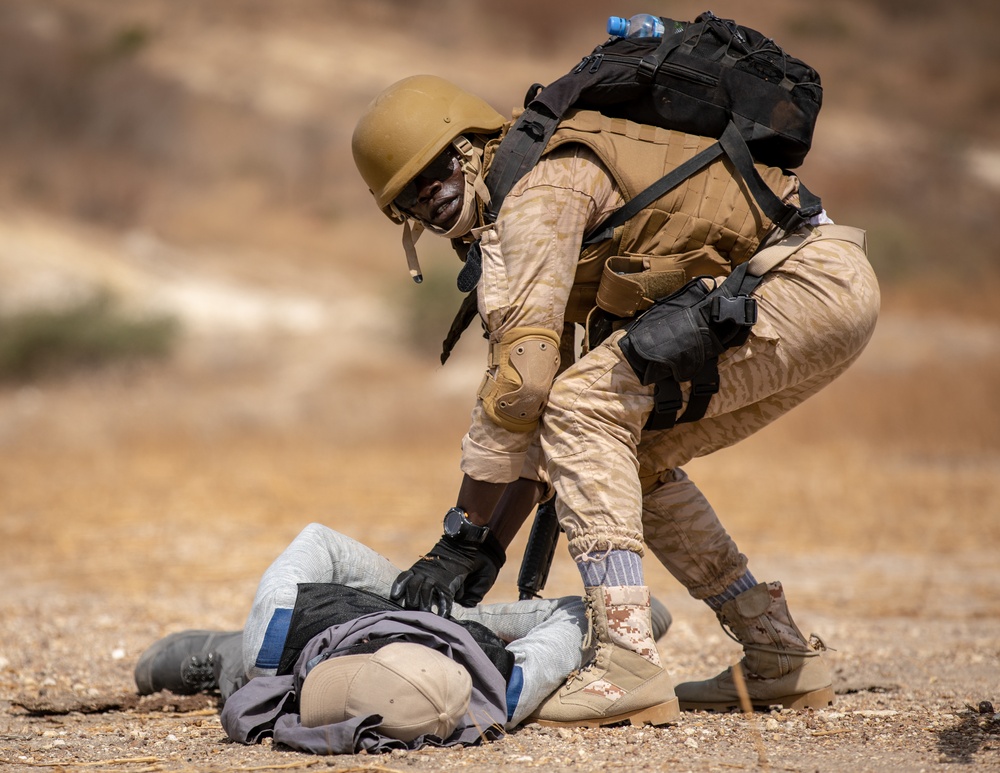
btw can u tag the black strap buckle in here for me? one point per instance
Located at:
(741, 310)
(533, 129)
(647, 68)
(791, 221)
(707, 387)
(667, 399)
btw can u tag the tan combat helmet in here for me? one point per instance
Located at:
(407, 126)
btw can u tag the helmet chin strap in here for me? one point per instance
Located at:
(475, 188)
(410, 236)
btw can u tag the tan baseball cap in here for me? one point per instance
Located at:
(415, 689)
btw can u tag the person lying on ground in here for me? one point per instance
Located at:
(326, 662)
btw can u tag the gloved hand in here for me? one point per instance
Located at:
(489, 561)
(436, 577)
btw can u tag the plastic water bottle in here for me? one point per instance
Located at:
(642, 25)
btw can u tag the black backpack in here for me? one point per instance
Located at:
(710, 77)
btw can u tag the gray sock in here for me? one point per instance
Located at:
(744, 583)
(611, 567)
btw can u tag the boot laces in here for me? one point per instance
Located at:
(588, 645)
(815, 644)
(584, 671)
(198, 672)
(588, 639)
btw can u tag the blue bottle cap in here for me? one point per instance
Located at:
(617, 26)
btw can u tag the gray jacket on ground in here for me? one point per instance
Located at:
(268, 705)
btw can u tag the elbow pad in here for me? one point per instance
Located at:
(516, 386)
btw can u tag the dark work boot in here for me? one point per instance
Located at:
(185, 663)
(659, 617)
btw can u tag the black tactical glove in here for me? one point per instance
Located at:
(433, 582)
(436, 577)
(489, 561)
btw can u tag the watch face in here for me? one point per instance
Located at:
(453, 522)
(457, 524)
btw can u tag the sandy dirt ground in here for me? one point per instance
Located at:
(148, 498)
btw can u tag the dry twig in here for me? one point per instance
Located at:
(747, 706)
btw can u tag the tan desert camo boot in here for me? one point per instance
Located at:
(624, 682)
(780, 668)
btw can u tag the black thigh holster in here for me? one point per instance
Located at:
(680, 338)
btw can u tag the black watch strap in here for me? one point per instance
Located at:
(458, 525)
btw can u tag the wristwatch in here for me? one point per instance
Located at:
(457, 524)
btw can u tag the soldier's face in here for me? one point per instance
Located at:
(435, 196)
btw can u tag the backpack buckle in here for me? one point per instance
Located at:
(647, 68)
(533, 129)
(791, 221)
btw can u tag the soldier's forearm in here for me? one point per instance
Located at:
(503, 506)
(514, 507)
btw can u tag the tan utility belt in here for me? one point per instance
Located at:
(631, 284)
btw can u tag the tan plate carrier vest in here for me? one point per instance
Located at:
(707, 225)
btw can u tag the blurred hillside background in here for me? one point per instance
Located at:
(208, 333)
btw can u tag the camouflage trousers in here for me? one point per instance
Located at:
(622, 488)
